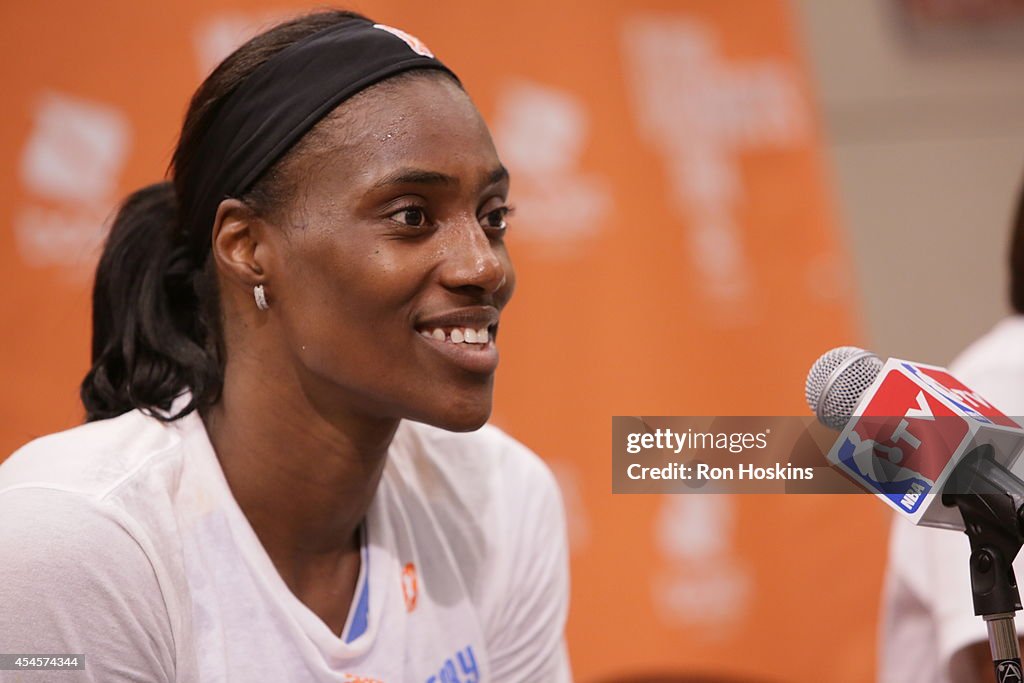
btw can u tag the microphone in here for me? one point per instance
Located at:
(910, 431)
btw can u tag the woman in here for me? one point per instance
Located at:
(265, 490)
(929, 630)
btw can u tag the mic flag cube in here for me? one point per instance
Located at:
(909, 431)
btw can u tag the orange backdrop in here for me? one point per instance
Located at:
(677, 251)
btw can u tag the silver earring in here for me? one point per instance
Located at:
(261, 297)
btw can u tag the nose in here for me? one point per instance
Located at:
(471, 261)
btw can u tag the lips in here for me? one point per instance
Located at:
(470, 316)
(464, 336)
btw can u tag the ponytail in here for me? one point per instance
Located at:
(156, 314)
(151, 337)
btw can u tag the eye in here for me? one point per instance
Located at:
(495, 219)
(413, 216)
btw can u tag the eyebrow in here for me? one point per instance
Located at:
(416, 176)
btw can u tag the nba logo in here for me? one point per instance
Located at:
(902, 443)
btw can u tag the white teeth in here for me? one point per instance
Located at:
(459, 335)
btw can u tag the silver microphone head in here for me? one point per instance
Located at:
(836, 382)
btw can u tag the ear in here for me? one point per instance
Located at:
(237, 241)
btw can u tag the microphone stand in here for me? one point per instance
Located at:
(991, 501)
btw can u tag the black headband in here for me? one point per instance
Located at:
(285, 97)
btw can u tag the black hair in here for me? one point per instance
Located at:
(156, 314)
(1017, 257)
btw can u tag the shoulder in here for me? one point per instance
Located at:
(60, 529)
(75, 579)
(96, 495)
(91, 459)
(101, 496)
(1000, 348)
(993, 365)
(68, 544)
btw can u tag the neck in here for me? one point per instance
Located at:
(304, 472)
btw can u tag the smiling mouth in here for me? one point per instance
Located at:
(464, 337)
(470, 347)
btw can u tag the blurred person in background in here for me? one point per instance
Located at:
(929, 629)
(286, 335)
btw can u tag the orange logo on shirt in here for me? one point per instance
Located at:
(355, 678)
(410, 586)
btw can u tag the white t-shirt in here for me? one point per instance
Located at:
(120, 540)
(928, 613)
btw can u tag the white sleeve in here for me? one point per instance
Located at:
(74, 581)
(526, 632)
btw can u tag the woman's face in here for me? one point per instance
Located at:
(389, 276)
